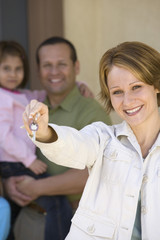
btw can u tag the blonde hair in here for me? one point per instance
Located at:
(140, 59)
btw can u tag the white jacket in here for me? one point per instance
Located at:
(118, 172)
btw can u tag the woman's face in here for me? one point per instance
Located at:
(133, 100)
(11, 72)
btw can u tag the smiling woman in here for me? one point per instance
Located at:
(129, 97)
(122, 194)
(138, 58)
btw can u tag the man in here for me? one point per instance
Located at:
(58, 67)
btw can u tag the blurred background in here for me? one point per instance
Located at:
(93, 26)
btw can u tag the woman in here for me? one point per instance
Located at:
(122, 195)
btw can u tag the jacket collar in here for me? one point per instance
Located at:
(123, 129)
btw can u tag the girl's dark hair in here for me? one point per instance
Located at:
(13, 48)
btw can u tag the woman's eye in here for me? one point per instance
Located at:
(136, 87)
(117, 92)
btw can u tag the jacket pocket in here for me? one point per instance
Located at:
(116, 164)
(96, 226)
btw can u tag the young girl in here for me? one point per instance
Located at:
(14, 145)
(121, 200)
(17, 152)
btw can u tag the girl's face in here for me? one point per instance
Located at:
(133, 100)
(11, 72)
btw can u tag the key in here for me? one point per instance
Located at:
(34, 127)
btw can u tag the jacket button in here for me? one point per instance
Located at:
(143, 210)
(158, 173)
(145, 178)
(113, 155)
(91, 229)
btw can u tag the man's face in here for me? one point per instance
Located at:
(57, 71)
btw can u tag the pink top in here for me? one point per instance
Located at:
(15, 146)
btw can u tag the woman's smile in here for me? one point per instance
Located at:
(129, 96)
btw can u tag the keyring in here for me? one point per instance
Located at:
(33, 126)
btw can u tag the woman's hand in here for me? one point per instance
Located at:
(37, 112)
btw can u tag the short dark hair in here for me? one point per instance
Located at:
(56, 40)
(13, 48)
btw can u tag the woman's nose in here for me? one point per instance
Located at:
(128, 99)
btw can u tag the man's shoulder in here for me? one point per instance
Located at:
(92, 111)
(90, 103)
(76, 102)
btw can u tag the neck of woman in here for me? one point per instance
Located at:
(147, 134)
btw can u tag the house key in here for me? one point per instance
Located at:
(34, 127)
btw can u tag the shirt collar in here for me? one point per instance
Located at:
(11, 91)
(123, 129)
(69, 102)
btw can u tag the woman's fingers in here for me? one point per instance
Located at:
(33, 109)
(37, 113)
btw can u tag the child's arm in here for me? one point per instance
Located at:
(14, 143)
(38, 167)
(84, 89)
(40, 95)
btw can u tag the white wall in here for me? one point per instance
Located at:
(97, 25)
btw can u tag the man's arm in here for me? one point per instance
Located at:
(69, 182)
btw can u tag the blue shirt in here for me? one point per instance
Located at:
(4, 218)
(136, 234)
